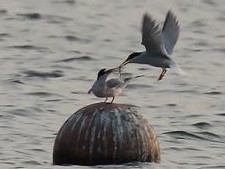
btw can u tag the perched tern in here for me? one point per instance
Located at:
(159, 44)
(109, 88)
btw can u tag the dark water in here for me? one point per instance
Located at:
(50, 54)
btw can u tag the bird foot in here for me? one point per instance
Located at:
(160, 77)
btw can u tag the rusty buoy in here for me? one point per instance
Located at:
(104, 133)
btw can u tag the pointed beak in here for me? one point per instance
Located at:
(112, 70)
(124, 63)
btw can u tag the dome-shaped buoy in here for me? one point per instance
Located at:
(105, 133)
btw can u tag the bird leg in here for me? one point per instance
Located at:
(120, 73)
(162, 74)
(106, 99)
(112, 100)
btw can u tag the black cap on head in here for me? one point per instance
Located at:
(133, 55)
(101, 72)
(129, 58)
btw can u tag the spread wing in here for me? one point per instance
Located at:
(152, 36)
(170, 32)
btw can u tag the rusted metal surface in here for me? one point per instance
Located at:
(104, 133)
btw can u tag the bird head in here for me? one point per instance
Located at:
(130, 58)
(105, 72)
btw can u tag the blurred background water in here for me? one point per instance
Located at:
(52, 50)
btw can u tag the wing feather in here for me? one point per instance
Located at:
(114, 83)
(152, 36)
(170, 32)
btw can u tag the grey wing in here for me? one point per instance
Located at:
(152, 36)
(170, 32)
(114, 83)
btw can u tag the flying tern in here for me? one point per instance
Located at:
(159, 44)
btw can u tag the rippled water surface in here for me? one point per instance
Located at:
(50, 54)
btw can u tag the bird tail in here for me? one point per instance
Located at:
(89, 91)
(176, 69)
(126, 80)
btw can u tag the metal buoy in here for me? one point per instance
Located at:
(104, 133)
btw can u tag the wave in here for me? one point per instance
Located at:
(202, 125)
(81, 58)
(207, 136)
(53, 74)
(29, 47)
(31, 16)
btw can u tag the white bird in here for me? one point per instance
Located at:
(159, 44)
(108, 88)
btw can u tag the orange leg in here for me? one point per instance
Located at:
(162, 74)
(112, 100)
